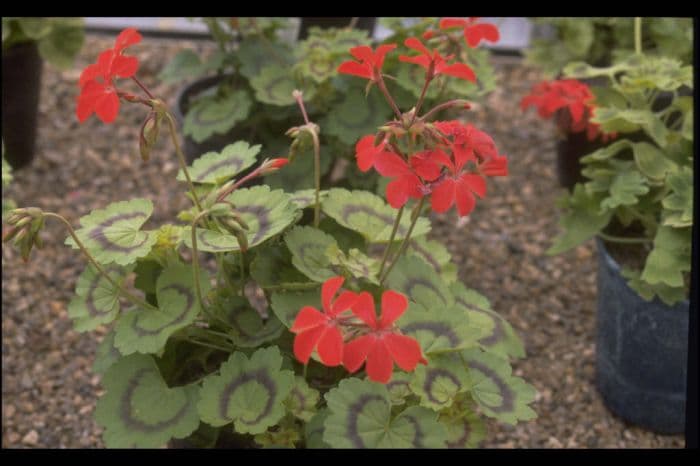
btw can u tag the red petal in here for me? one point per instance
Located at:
(382, 50)
(393, 306)
(104, 62)
(476, 183)
(84, 109)
(89, 73)
(397, 193)
(421, 60)
(364, 309)
(127, 37)
(330, 347)
(474, 34)
(125, 67)
(363, 53)
(305, 342)
(577, 109)
(458, 70)
(447, 23)
(355, 352)
(415, 44)
(308, 318)
(379, 363)
(344, 302)
(443, 195)
(390, 164)
(427, 164)
(330, 287)
(356, 69)
(465, 199)
(405, 351)
(107, 107)
(364, 152)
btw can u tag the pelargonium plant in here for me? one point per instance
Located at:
(326, 317)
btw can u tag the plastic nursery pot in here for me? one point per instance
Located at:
(364, 23)
(191, 148)
(21, 84)
(641, 352)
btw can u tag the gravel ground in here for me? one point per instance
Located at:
(49, 391)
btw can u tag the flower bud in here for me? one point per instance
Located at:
(149, 135)
(271, 166)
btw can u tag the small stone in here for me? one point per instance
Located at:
(13, 439)
(31, 439)
(10, 411)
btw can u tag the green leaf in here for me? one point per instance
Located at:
(217, 167)
(216, 114)
(412, 79)
(147, 273)
(248, 329)
(607, 152)
(272, 267)
(416, 279)
(147, 331)
(399, 388)
(465, 429)
(578, 35)
(302, 400)
(630, 120)
(360, 417)
(287, 304)
(652, 161)
(440, 329)
(668, 294)
(499, 394)
(438, 383)
(255, 54)
(625, 190)
(248, 392)
(669, 258)
(112, 234)
(687, 129)
(35, 28)
(266, 212)
(299, 173)
(355, 263)
(309, 247)
(369, 215)
(581, 222)
(96, 300)
(107, 354)
(307, 197)
(63, 43)
(355, 116)
(139, 410)
(500, 337)
(680, 200)
(436, 255)
(6, 170)
(313, 431)
(184, 65)
(274, 85)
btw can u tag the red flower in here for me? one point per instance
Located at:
(366, 152)
(496, 166)
(473, 33)
(370, 63)
(98, 94)
(383, 345)
(317, 330)
(435, 64)
(407, 179)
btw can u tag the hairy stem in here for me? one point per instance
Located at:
(420, 99)
(181, 159)
(397, 222)
(404, 245)
(195, 259)
(317, 177)
(143, 88)
(128, 295)
(387, 96)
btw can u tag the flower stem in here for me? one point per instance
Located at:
(638, 35)
(443, 106)
(387, 96)
(195, 259)
(317, 177)
(420, 99)
(143, 88)
(397, 222)
(242, 272)
(619, 239)
(181, 159)
(404, 245)
(134, 299)
(209, 345)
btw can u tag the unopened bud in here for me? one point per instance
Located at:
(242, 241)
(149, 135)
(9, 233)
(271, 166)
(297, 94)
(429, 34)
(240, 221)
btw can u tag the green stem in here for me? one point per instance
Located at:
(291, 287)
(317, 177)
(620, 239)
(404, 245)
(134, 299)
(181, 159)
(397, 222)
(242, 272)
(638, 35)
(420, 100)
(387, 96)
(195, 259)
(209, 345)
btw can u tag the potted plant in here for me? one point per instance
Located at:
(249, 83)
(306, 328)
(26, 42)
(637, 201)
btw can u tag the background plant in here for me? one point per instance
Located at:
(197, 351)
(58, 39)
(255, 95)
(640, 187)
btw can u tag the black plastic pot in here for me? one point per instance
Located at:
(364, 23)
(641, 354)
(21, 84)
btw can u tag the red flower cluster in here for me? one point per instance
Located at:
(434, 63)
(452, 171)
(378, 343)
(473, 32)
(575, 101)
(370, 63)
(97, 92)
